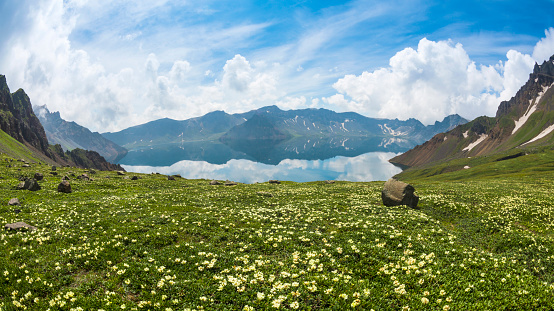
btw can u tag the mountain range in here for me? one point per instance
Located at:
(525, 121)
(272, 123)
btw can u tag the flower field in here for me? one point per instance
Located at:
(158, 244)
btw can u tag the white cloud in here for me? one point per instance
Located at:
(432, 82)
(545, 47)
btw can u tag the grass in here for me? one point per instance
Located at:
(153, 244)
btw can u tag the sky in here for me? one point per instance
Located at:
(109, 65)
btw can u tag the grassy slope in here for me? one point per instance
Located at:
(479, 244)
(15, 149)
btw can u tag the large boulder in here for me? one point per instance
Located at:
(64, 187)
(396, 193)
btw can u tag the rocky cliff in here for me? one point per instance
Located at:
(18, 120)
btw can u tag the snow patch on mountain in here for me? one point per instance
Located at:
(542, 134)
(475, 143)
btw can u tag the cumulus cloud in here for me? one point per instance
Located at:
(431, 82)
(545, 47)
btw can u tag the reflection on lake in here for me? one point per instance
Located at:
(366, 167)
(298, 159)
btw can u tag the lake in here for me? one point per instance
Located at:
(299, 159)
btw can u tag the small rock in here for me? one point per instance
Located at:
(329, 182)
(120, 173)
(215, 183)
(25, 165)
(177, 176)
(230, 183)
(14, 201)
(65, 177)
(91, 171)
(39, 176)
(274, 182)
(466, 167)
(84, 177)
(264, 194)
(64, 187)
(54, 173)
(54, 168)
(170, 178)
(17, 211)
(18, 226)
(399, 193)
(134, 178)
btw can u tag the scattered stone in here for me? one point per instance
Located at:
(65, 177)
(264, 194)
(84, 177)
(329, 182)
(64, 187)
(17, 211)
(274, 182)
(215, 183)
(18, 226)
(14, 201)
(29, 184)
(120, 173)
(230, 183)
(54, 173)
(466, 167)
(91, 171)
(177, 176)
(25, 165)
(396, 193)
(54, 168)
(170, 178)
(134, 178)
(39, 176)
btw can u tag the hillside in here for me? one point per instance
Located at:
(71, 135)
(526, 120)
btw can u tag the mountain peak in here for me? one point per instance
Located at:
(547, 68)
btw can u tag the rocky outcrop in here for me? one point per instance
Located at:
(18, 120)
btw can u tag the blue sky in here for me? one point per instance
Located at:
(109, 65)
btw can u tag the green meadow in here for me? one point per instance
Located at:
(479, 243)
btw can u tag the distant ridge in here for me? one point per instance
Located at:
(273, 123)
(527, 119)
(71, 135)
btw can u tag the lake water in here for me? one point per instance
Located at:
(299, 160)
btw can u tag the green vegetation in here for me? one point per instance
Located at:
(15, 149)
(157, 244)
